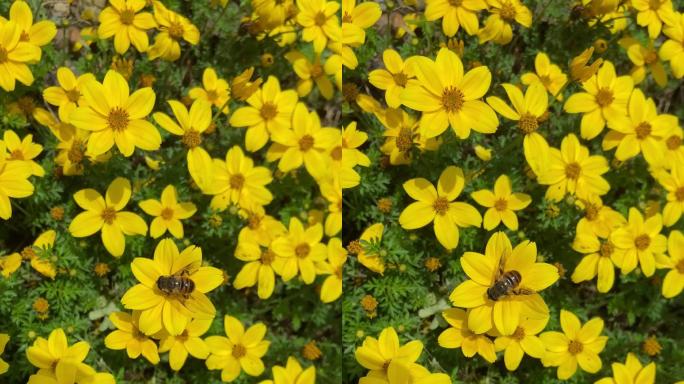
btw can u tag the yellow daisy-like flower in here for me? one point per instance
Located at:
(113, 115)
(672, 49)
(646, 58)
(399, 372)
(168, 213)
(214, 90)
(640, 132)
(320, 22)
(270, 110)
(331, 289)
(548, 74)
(577, 344)
(371, 260)
(640, 242)
(572, 170)
(38, 254)
(502, 204)
(315, 72)
(292, 373)
(492, 306)
(403, 134)
(673, 182)
(455, 14)
(377, 354)
(4, 338)
(13, 181)
(24, 150)
(240, 351)
(38, 34)
(599, 253)
(166, 309)
(458, 335)
(355, 20)
(262, 261)
(15, 54)
(498, 26)
(237, 181)
(172, 29)
(68, 95)
(653, 14)
(302, 248)
(674, 279)
(59, 361)
(439, 206)
(631, 372)
(674, 150)
(106, 215)
(352, 139)
(123, 20)
(599, 219)
(9, 264)
(129, 337)
(394, 79)
(263, 226)
(523, 341)
(579, 70)
(188, 342)
(448, 97)
(332, 192)
(605, 100)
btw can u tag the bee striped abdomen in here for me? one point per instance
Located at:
(504, 285)
(171, 285)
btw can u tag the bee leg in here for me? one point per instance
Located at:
(523, 291)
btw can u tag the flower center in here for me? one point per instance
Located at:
(236, 181)
(302, 250)
(212, 96)
(507, 11)
(73, 95)
(591, 212)
(673, 142)
(651, 57)
(167, 213)
(24, 36)
(306, 142)
(17, 154)
(545, 80)
(239, 351)
(452, 99)
(679, 194)
(320, 19)
(643, 130)
(338, 272)
(75, 154)
(350, 92)
(3, 54)
(501, 205)
(127, 16)
(269, 110)
(400, 78)
(654, 4)
(680, 266)
(254, 221)
(519, 334)
(28, 253)
(455, 3)
(108, 215)
(336, 153)
(604, 97)
(642, 242)
(441, 205)
(606, 249)
(572, 171)
(575, 347)
(267, 257)
(176, 30)
(192, 138)
(528, 123)
(347, 18)
(404, 140)
(117, 119)
(316, 70)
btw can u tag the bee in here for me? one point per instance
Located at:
(176, 285)
(506, 283)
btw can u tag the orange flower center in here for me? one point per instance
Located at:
(302, 250)
(212, 96)
(528, 123)
(267, 257)
(545, 80)
(507, 11)
(404, 140)
(3, 54)
(591, 211)
(680, 266)
(336, 153)
(320, 19)
(575, 347)
(254, 221)
(17, 154)
(400, 78)
(167, 213)
(236, 181)
(519, 334)
(651, 57)
(606, 249)
(452, 99)
(73, 95)
(654, 4)
(24, 36)
(643, 130)
(192, 138)
(117, 119)
(269, 110)
(306, 143)
(572, 171)
(679, 194)
(75, 154)
(501, 205)
(455, 3)
(108, 215)
(673, 142)
(316, 71)
(127, 16)
(238, 351)
(642, 242)
(338, 272)
(176, 30)
(347, 18)
(28, 253)
(604, 97)
(441, 205)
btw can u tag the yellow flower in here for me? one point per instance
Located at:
(129, 337)
(114, 116)
(352, 139)
(393, 79)
(643, 58)
(332, 192)
(273, 12)
(171, 311)
(262, 262)
(16, 54)
(269, 111)
(23, 150)
(4, 338)
(314, 72)
(241, 85)
(59, 361)
(577, 344)
(377, 354)
(214, 90)
(579, 70)
(502, 204)
(301, 248)
(237, 181)
(38, 254)
(605, 100)
(439, 205)
(673, 182)
(597, 260)
(68, 95)
(672, 49)
(631, 372)
(172, 29)
(640, 132)
(674, 280)
(653, 14)
(331, 289)
(639, 241)
(572, 170)
(403, 134)
(598, 219)
(107, 215)
(320, 23)
(448, 97)
(548, 74)
(188, 342)
(9, 264)
(240, 351)
(38, 34)
(263, 226)
(498, 27)
(13, 182)
(674, 151)
(455, 14)
(458, 335)
(370, 259)
(123, 20)
(356, 19)
(292, 373)
(480, 292)
(168, 213)
(400, 372)
(523, 341)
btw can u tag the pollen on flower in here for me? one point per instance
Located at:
(320, 19)
(17, 154)
(643, 130)
(3, 55)
(400, 79)
(680, 266)
(452, 99)
(306, 143)
(267, 257)
(519, 334)
(590, 211)
(501, 205)
(108, 215)
(606, 249)
(117, 119)
(302, 250)
(167, 213)
(528, 123)
(238, 351)
(336, 153)
(673, 142)
(310, 351)
(75, 154)
(441, 205)
(432, 264)
(176, 30)
(127, 16)
(575, 347)
(572, 171)
(455, 3)
(404, 140)
(604, 97)
(651, 346)
(237, 181)
(507, 11)
(642, 242)
(192, 138)
(651, 57)
(101, 269)
(354, 247)
(269, 110)
(28, 253)
(73, 95)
